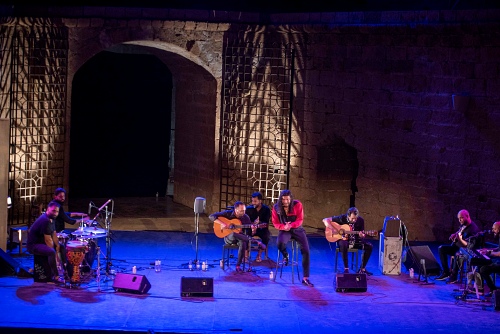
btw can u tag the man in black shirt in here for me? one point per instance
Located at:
(356, 223)
(42, 239)
(236, 217)
(459, 239)
(494, 255)
(259, 214)
(65, 217)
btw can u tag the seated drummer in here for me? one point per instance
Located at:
(65, 217)
(42, 240)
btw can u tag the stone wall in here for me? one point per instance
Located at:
(374, 120)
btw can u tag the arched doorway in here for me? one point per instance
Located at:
(120, 126)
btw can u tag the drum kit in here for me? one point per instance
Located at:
(82, 246)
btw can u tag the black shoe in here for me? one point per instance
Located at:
(346, 270)
(489, 294)
(442, 277)
(452, 280)
(307, 282)
(238, 269)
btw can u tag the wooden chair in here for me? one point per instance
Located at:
(355, 255)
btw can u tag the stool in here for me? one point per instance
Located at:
(354, 256)
(226, 249)
(42, 272)
(19, 235)
(293, 261)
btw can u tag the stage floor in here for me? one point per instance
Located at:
(242, 302)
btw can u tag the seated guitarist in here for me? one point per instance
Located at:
(241, 239)
(356, 223)
(260, 214)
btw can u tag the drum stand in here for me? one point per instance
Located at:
(108, 240)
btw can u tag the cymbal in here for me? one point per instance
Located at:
(94, 236)
(80, 232)
(94, 230)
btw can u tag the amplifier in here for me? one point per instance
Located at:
(197, 286)
(350, 283)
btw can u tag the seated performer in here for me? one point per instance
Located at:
(494, 255)
(65, 217)
(260, 215)
(356, 223)
(459, 239)
(42, 239)
(287, 217)
(242, 239)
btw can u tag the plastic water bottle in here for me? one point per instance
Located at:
(412, 273)
(157, 266)
(198, 265)
(190, 265)
(271, 275)
(134, 270)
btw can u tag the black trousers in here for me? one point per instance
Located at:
(486, 272)
(445, 251)
(264, 235)
(50, 253)
(299, 235)
(364, 245)
(242, 241)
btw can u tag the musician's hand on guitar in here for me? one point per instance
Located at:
(362, 235)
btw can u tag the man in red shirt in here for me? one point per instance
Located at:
(287, 217)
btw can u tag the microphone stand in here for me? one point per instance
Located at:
(424, 269)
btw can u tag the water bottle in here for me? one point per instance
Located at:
(134, 270)
(190, 265)
(198, 265)
(157, 266)
(271, 275)
(412, 273)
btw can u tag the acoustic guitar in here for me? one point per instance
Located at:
(338, 231)
(232, 225)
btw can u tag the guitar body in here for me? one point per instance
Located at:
(333, 235)
(232, 226)
(339, 231)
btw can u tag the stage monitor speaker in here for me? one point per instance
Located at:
(350, 283)
(131, 283)
(197, 286)
(413, 259)
(10, 267)
(199, 205)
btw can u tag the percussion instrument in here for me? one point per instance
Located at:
(75, 252)
(90, 255)
(63, 238)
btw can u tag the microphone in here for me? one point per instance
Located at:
(483, 232)
(90, 207)
(104, 205)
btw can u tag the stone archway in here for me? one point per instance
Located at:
(194, 109)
